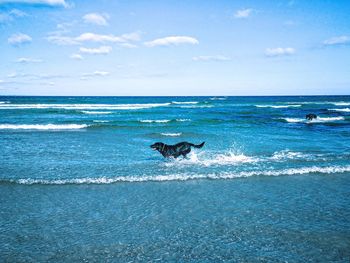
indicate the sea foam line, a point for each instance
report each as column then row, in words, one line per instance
column 341, row 110
column 155, row 121
column 96, row 112
column 184, row 177
column 278, row 106
column 317, row 120
column 84, row 106
column 184, row 102
column 42, row 126
column 171, row 134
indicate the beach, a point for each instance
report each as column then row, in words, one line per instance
column 79, row 181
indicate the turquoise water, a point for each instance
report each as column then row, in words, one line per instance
column 79, row 181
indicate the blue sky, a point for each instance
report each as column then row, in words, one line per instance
column 75, row 47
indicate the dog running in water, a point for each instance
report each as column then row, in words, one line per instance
column 182, row 148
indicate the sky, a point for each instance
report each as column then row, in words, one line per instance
column 174, row 48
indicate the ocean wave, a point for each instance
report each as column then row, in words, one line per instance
column 84, row 106
column 196, row 106
column 287, row 155
column 318, row 120
column 218, row 98
column 96, row 112
column 100, row 121
column 184, row 102
column 341, row 110
column 204, row 159
column 342, row 103
column 42, row 126
column 278, row 106
column 183, row 120
column 171, row 134
column 4, row 102
column 155, row 121
column 185, row 177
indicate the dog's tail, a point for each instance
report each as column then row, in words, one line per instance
column 198, row 145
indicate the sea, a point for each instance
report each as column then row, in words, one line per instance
column 80, row 183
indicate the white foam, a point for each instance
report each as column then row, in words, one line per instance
column 4, row 102
column 204, row 159
column 42, row 126
column 286, row 154
column 183, row 120
column 171, row 134
column 218, row 98
column 317, row 120
column 96, row 112
column 84, row 106
column 155, row 121
column 184, row 102
column 185, row 177
column 278, row 106
column 196, row 106
column 100, row 121
column 342, row 103
column 341, row 110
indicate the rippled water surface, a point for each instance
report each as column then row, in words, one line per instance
column 79, row 181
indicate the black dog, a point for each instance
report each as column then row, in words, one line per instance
column 311, row 116
column 182, row 148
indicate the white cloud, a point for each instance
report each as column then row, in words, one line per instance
column 11, row 15
column 108, row 38
column 172, row 41
column 59, row 39
column 211, row 58
column 243, row 13
column 62, row 40
column 96, row 51
column 337, row 40
column 279, row 51
column 96, row 73
column 128, row 45
column 97, row 19
column 98, row 38
column 76, row 56
column 28, row 60
column 41, row 2
column 19, row 38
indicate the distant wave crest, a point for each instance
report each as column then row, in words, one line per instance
column 85, row 106
column 171, row 134
column 278, row 106
column 155, row 121
column 42, row 126
column 341, row 110
column 318, row 120
column 96, row 112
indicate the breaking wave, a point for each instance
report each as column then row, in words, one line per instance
column 171, row 134
column 218, row 98
column 318, row 120
column 341, row 103
column 184, row 177
column 96, row 112
column 184, row 102
column 155, row 121
column 278, row 106
column 341, row 110
column 84, row 106
column 42, row 126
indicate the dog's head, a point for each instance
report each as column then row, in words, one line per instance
column 157, row 146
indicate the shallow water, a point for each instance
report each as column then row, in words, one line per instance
column 79, row 181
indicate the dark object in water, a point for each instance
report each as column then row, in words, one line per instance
column 182, row 148
column 311, row 116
